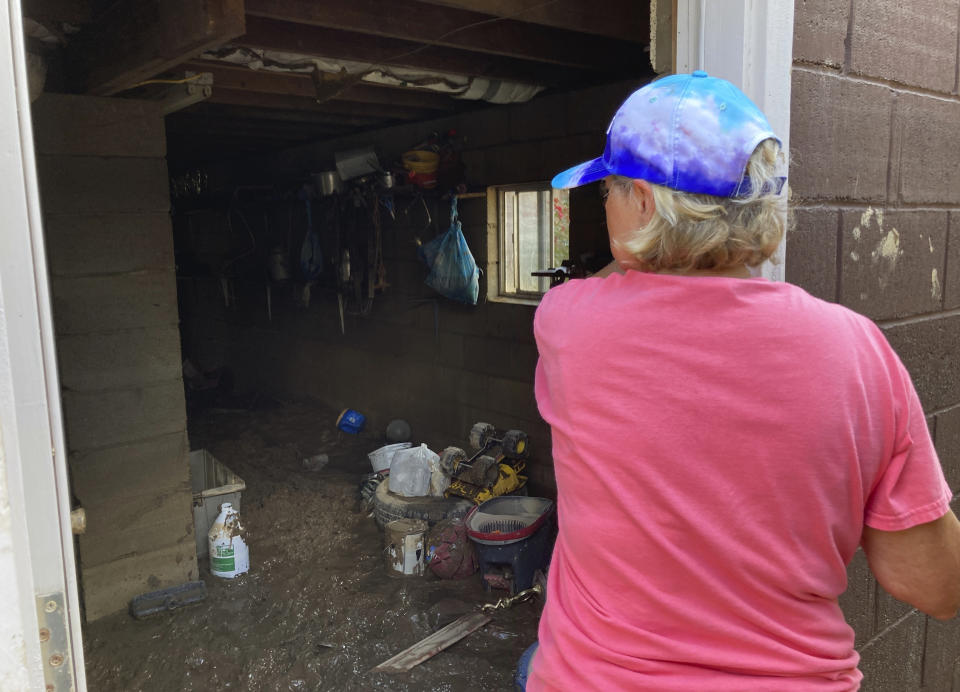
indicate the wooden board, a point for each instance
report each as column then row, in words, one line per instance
column 434, row 644
column 131, row 358
column 90, row 184
column 119, row 529
column 97, row 126
column 103, row 419
column 108, row 588
column 84, row 244
column 115, row 302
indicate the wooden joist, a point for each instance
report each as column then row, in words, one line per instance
column 624, row 19
column 455, row 28
column 323, row 42
column 135, row 40
column 301, row 84
column 354, row 113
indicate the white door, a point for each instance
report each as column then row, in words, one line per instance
column 40, row 623
column 749, row 43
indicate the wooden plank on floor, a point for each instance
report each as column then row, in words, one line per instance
column 109, row 303
column 91, row 184
column 434, row 644
column 84, row 244
column 97, row 126
column 131, row 358
column 103, row 419
column 108, row 588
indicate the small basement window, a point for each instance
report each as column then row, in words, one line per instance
column 532, row 235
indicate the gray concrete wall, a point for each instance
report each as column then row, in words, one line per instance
column 876, row 181
column 439, row 364
column 103, row 185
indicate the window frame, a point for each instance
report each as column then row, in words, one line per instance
column 497, row 289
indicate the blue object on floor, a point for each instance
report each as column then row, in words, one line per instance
column 523, row 668
column 351, row 421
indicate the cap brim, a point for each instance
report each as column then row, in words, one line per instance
column 587, row 172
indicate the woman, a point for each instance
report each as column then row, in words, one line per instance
column 722, row 443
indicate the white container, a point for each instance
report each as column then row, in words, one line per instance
column 212, row 484
column 381, row 458
column 405, row 549
column 229, row 555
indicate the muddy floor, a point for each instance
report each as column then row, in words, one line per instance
column 318, row 608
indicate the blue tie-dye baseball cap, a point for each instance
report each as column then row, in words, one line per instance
column 689, row 132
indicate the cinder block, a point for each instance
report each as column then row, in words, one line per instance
column 540, row 118
column 951, row 289
column 840, row 138
column 107, row 243
column 127, row 473
column 893, row 262
column 948, row 445
column 85, row 305
column 912, row 43
column 819, row 31
column 108, row 588
column 888, row 609
column 940, row 653
column 858, row 602
column 91, row 184
column 811, row 260
column 591, row 110
column 484, row 128
column 928, row 349
column 97, row 126
column 512, row 398
column 894, row 660
column 117, row 529
column 91, row 362
column 511, row 321
column 105, row 419
column 925, row 137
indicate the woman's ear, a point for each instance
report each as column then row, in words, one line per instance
column 643, row 193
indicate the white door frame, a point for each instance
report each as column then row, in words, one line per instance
column 749, row 43
column 35, row 533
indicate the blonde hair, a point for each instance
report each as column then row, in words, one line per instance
column 695, row 231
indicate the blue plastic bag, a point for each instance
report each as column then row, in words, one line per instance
column 453, row 271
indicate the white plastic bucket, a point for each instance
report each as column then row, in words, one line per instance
column 380, row 458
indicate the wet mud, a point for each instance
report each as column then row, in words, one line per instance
column 318, row 608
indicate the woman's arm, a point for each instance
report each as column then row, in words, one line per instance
column 919, row 565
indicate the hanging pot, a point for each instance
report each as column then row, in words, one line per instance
column 328, row 183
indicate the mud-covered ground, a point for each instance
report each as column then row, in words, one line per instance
column 318, row 608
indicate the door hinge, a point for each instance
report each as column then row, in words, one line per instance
column 55, row 643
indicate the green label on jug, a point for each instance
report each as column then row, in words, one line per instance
column 222, row 559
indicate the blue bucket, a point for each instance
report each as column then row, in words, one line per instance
column 351, row 421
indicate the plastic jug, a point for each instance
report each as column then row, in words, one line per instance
column 229, row 555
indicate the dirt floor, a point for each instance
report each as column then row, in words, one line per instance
column 318, row 608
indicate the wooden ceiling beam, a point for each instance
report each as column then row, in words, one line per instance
column 361, row 114
column 137, row 39
column 628, row 20
column 301, row 84
column 425, row 23
column 71, row 11
column 322, row 42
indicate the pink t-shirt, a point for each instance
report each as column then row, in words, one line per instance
column 718, row 444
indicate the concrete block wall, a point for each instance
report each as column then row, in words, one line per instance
column 103, row 185
column 874, row 117
column 439, row 364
